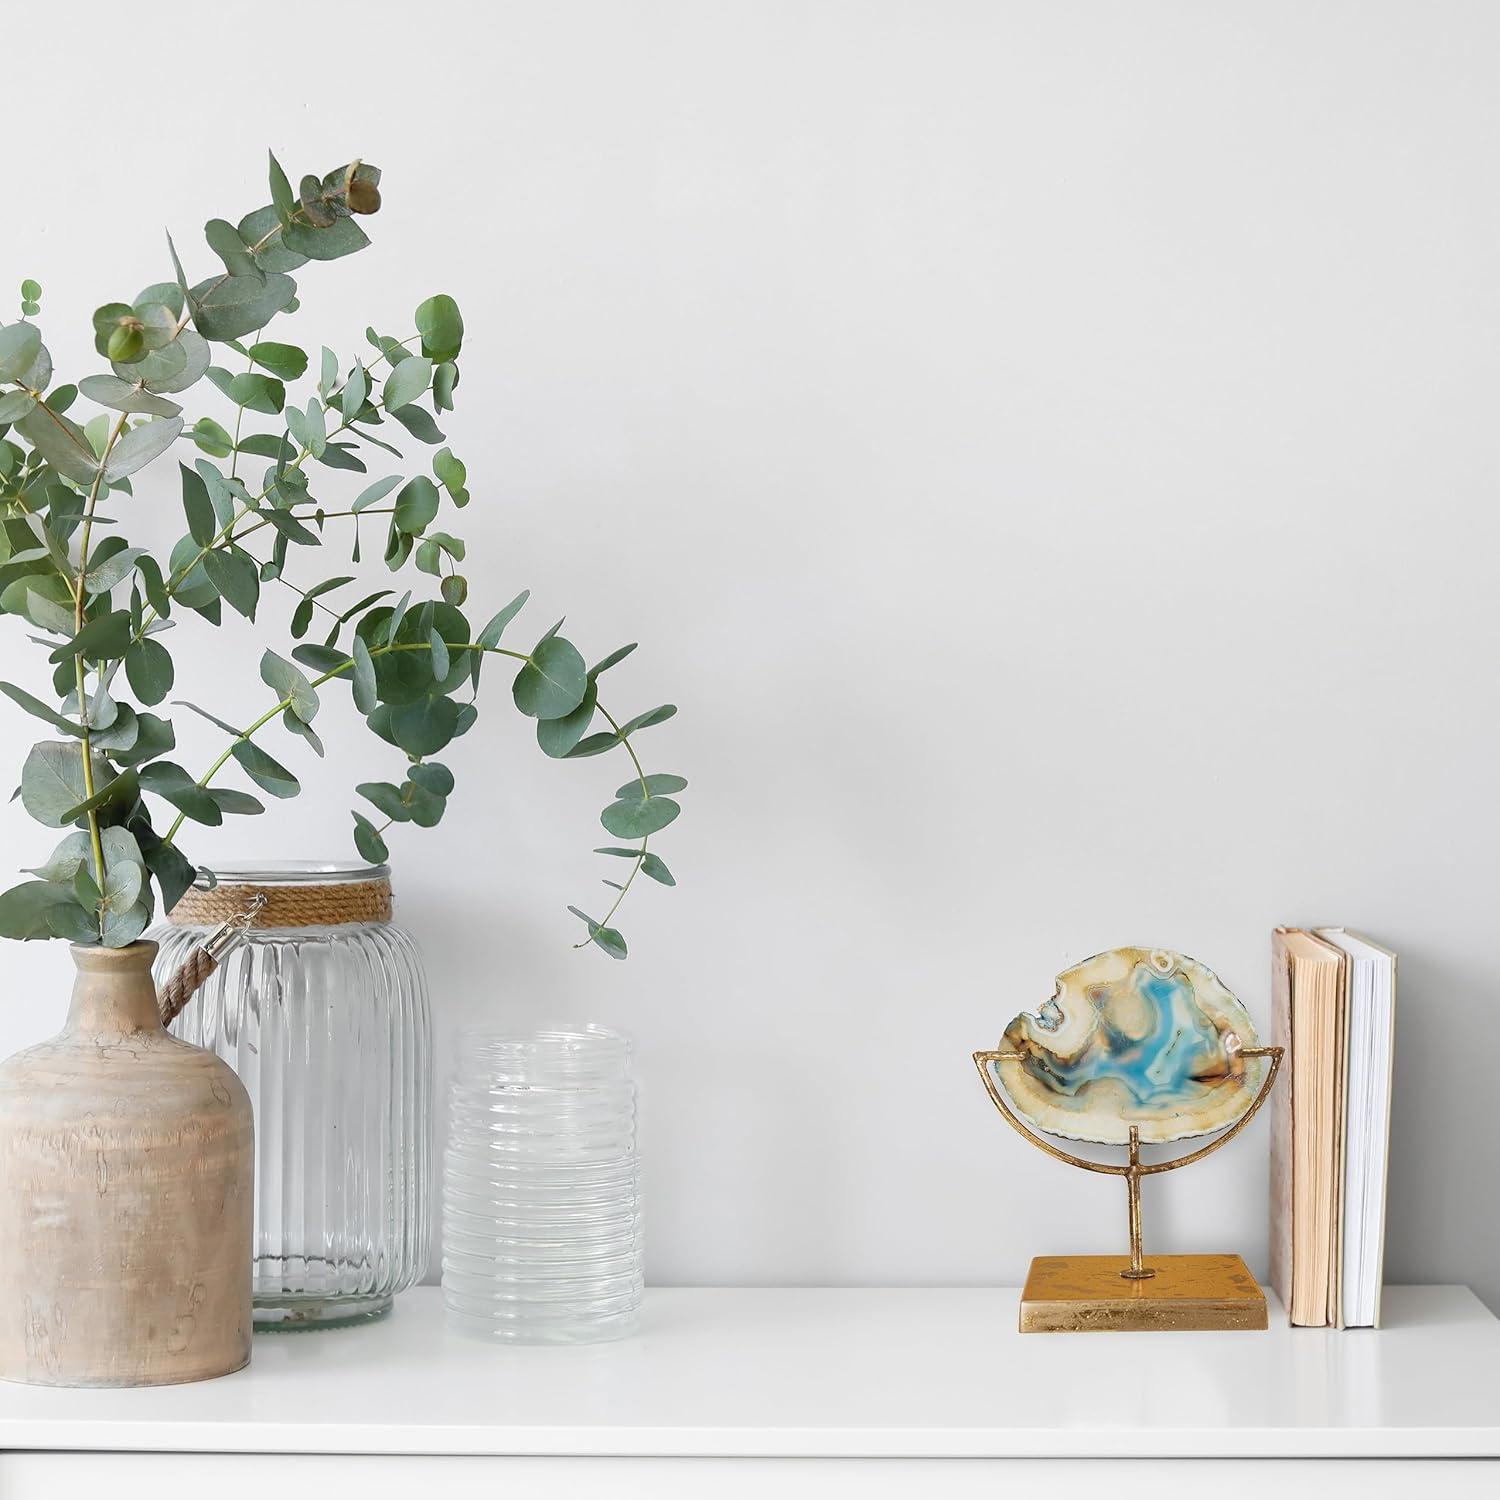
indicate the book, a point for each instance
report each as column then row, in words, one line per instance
column 1310, row 1000
column 1370, row 1052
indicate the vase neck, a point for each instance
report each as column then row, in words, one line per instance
column 114, row 992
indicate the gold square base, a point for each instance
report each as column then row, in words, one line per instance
column 1083, row 1293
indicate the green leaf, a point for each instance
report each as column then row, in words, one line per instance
column 342, row 237
column 286, row 681
column 148, row 666
column 211, row 438
column 646, row 720
column 19, row 345
column 173, row 367
column 268, row 774
column 154, row 736
column 416, row 505
column 606, row 938
column 653, row 867
column 125, row 395
column 441, row 326
column 284, row 360
column 612, row 660
column 432, row 777
column 377, row 491
column 236, row 577
column 229, row 307
column 204, row 713
column 440, row 663
column 356, row 391
column 105, row 571
column 553, row 681
column 257, row 392
column 421, row 426
column 202, row 524
column 114, row 797
column 101, row 639
column 558, row 736
column 309, row 427
column 170, row 781
column 387, row 798
column 451, row 473
column 489, row 637
column 444, row 382
column 225, row 242
column 174, row 874
column 594, row 744
column 321, row 658
column 658, row 785
column 240, row 804
column 420, row 728
column 14, row 405
column 640, row 817
column 165, row 294
column 29, row 910
column 61, row 442
column 406, row 382
column 368, row 841
column 40, row 709
column 364, row 677
column 283, row 200
column 138, row 447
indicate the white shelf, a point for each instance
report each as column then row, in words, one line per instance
column 823, row 1374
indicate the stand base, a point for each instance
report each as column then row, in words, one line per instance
column 1083, row 1293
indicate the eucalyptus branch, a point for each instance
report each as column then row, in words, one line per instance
column 55, row 482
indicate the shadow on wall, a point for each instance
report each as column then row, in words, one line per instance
column 1442, row 1179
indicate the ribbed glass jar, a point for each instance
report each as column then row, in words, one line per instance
column 542, row 1232
column 322, row 1011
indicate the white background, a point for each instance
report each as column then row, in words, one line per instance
column 1047, row 451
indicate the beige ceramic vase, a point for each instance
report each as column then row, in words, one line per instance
column 126, row 1192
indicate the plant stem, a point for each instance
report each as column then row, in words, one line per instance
column 640, row 858
column 86, row 749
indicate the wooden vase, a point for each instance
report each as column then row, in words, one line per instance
column 126, row 1195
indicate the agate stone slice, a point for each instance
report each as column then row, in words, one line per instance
column 1135, row 1036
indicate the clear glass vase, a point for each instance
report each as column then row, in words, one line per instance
column 542, row 1228
column 322, row 1012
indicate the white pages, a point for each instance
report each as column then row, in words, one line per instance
column 1369, row 1051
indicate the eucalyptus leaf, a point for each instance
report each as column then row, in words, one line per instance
column 35, row 706
column 557, row 737
column 126, row 396
column 61, row 442
column 636, row 818
column 268, row 774
column 406, row 382
column 368, row 841
column 19, row 346
column 138, row 447
column 228, row 307
column 149, row 669
column 441, row 326
column 553, row 681
column 236, row 577
column 657, row 785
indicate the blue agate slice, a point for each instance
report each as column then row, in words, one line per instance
column 1135, row 1036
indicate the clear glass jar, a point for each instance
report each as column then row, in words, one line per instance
column 542, row 1226
column 322, row 1012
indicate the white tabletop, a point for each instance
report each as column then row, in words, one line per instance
column 824, row 1373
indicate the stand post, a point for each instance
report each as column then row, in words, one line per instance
column 1137, row 1270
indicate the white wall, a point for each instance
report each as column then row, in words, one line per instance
column 1047, row 450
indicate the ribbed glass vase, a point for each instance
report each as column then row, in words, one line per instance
column 322, row 1012
column 542, row 1239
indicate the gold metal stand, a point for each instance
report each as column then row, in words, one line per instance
column 1113, row 1292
